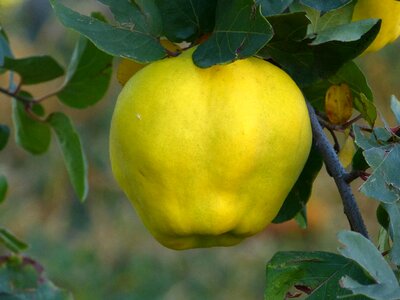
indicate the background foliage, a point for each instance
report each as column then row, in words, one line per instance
column 100, row 249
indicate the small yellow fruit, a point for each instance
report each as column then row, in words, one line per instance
column 339, row 103
column 386, row 10
column 207, row 156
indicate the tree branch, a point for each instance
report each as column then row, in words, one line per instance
column 18, row 97
column 336, row 170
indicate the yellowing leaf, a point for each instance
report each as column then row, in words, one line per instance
column 347, row 152
column 127, row 68
column 339, row 103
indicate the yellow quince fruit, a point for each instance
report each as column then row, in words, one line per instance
column 386, row 10
column 208, row 156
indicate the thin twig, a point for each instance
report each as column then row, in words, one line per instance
column 336, row 144
column 336, row 170
column 353, row 175
column 341, row 127
column 18, row 97
column 44, row 97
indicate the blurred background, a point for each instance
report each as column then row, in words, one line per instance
column 100, row 249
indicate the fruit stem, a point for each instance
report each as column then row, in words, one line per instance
column 336, row 170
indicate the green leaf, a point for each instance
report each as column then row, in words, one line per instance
column 354, row 77
column 345, row 33
column 382, row 216
column 123, row 41
column 4, row 135
column 187, row 20
column 359, row 162
column 373, row 291
column 144, row 15
column 24, row 279
column 11, row 242
column 395, row 106
column 318, row 272
column 325, row 5
column 30, row 134
column 393, row 210
column 273, row 7
column 298, row 197
column 335, row 17
column 312, row 14
column 291, row 26
column 384, row 183
column 16, row 276
column 301, row 218
column 367, row 142
column 3, row 188
column 383, row 240
column 351, row 74
column 88, row 76
column 366, row 108
column 240, row 32
column 72, row 150
column 35, row 69
column 362, row 251
column 308, row 62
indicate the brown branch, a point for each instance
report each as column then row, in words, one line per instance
column 336, row 170
column 16, row 96
column 353, row 175
column 27, row 99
